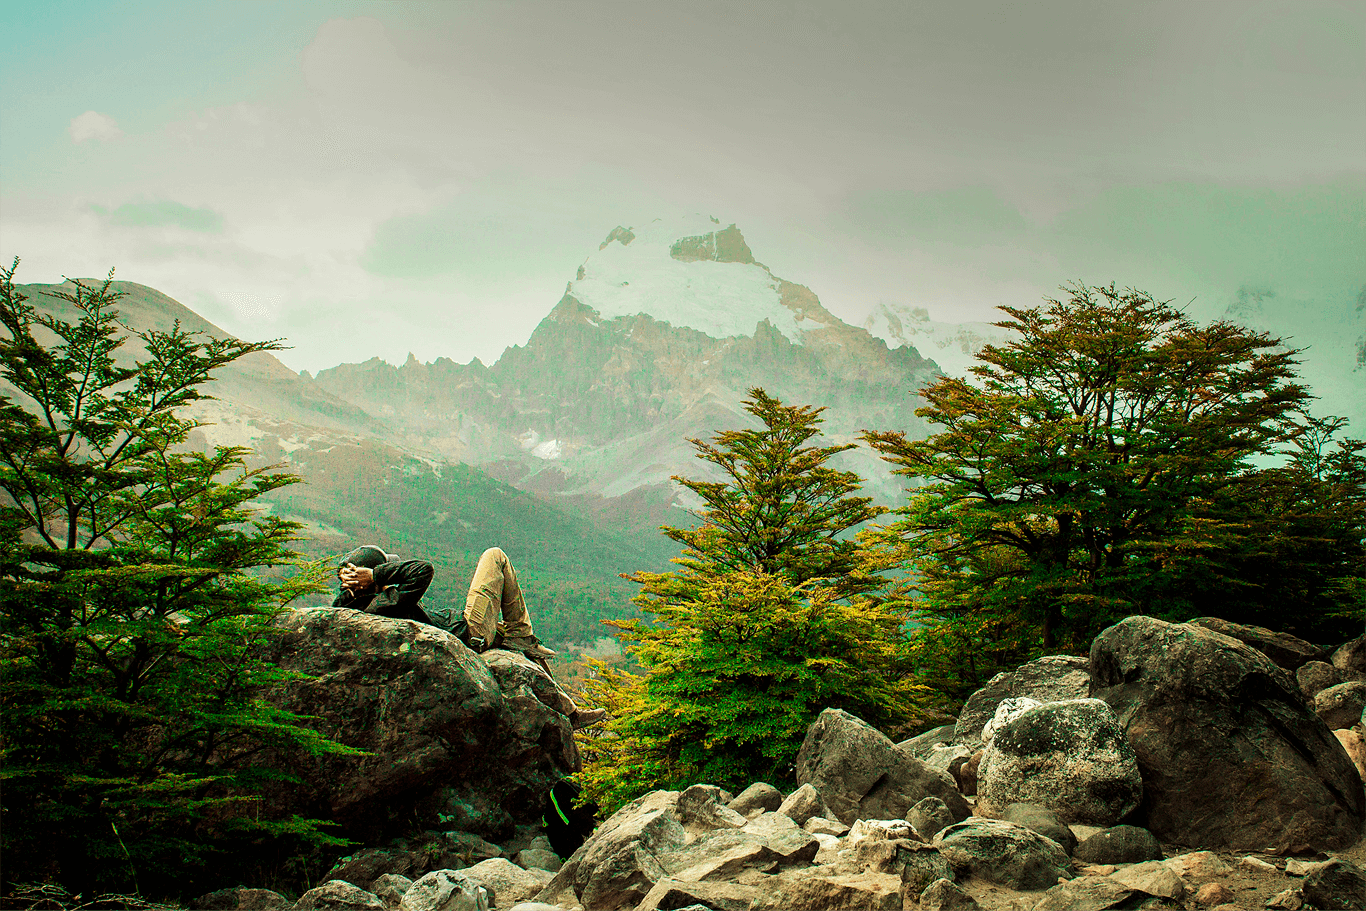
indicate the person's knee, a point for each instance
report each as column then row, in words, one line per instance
column 495, row 554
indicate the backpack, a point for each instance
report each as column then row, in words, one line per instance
column 566, row 825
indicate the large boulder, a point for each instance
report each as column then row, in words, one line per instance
column 437, row 727
column 862, row 775
column 1003, row 853
column 1118, row 845
column 1048, row 679
column 1340, row 706
column 621, row 862
column 1071, row 757
column 1287, row 651
column 1231, row 757
column 1316, row 676
column 1350, row 659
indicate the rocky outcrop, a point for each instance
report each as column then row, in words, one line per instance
column 1340, row 706
column 862, row 775
column 1218, row 729
column 1047, row 679
column 1071, row 757
column 1285, row 650
column 1003, row 853
column 442, row 733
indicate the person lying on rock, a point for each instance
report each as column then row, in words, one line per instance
column 495, row 613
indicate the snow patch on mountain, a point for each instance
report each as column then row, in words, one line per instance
column 669, row 270
column 953, row 346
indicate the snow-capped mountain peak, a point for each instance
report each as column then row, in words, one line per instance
column 953, row 346
column 693, row 272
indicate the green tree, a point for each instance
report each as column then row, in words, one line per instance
column 769, row 619
column 1064, row 488
column 132, row 591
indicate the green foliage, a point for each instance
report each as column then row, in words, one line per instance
column 1099, row 466
column 131, row 595
column 768, row 620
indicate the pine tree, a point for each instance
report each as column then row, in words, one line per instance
column 132, row 592
column 769, row 619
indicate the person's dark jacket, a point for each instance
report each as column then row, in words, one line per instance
column 397, row 589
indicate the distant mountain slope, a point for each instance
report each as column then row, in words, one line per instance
column 361, row 484
column 952, row 346
column 655, row 341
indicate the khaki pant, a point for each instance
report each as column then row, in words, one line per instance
column 494, row 605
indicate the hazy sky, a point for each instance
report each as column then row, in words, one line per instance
column 378, row 178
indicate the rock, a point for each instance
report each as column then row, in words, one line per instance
column 538, row 859
column 390, row 888
column 366, row 866
column 1198, row 866
column 804, row 803
column 1350, row 659
column 507, row 883
column 434, row 721
column 1002, row 853
column 703, row 807
column 1316, row 676
column 335, row 895
column 1354, row 745
column 965, row 774
column 1008, row 710
column 515, row 671
column 862, row 775
column 1283, row 649
column 1218, row 728
column 1252, row 864
column 1118, row 845
column 780, row 835
column 1086, row 893
column 920, row 745
column 1041, row 820
column 879, row 828
column 542, row 906
column 1337, row 884
column 1211, row 894
column 920, row 866
column 768, row 842
column 946, row 895
column 1340, row 706
column 716, row 896
column 1048, row 679
column 242, row 899
column 445, row 890
column 757, row 798
column 621, row 862
column 819, row 825
column 1296, row 867
column 1072, row 757
column 817, row 889
column 1289, row 900
column 942, row 758
column 929, row 817
column 1152, row 877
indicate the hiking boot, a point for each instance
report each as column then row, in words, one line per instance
column 586, row 718
column 529, row 646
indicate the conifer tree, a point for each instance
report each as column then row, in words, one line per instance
column 131, row 595
column 1073, row 477
column 769, row 619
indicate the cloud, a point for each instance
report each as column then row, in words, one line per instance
column 164, row 213
column 93, row 125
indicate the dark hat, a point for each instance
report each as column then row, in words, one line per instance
column 368, row 555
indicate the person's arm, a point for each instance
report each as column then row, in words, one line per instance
column 411, row 577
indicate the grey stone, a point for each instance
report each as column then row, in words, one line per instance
column 1213, row 721
column 1337, row 884
column 946, row 895
column 804, row 803
column 1008, row 710
column 819, row 889
column 390, row 888
column 1041, row 820
column 621, row 862
column 506, row 882
column 1072, row 757
column 929, row 817
column 1003, row 853
column 671, row 893
column 757, row 798
column 920, row 745
column 1047, row 679
column 242, row 899
column 1350, row 659
column 920, row 866
column 335, row 895
column 1316, row 676
column 1086, row 893
column 862, row 775
column 539, row 859
column 819, row 825
column 1285, row 650
column 942, row 758
column 1118, row 845
column 445, row 890
column 703, row 806
column 1152, row 877
column 1340, row 706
